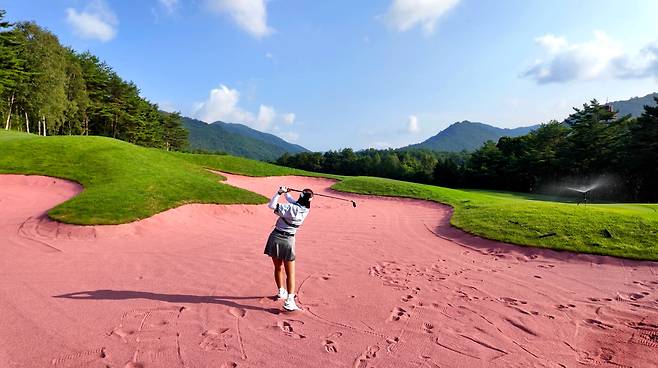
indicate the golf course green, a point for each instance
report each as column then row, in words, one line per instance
column 124, row 182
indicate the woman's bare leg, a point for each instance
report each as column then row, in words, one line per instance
column 278, row 272
column 290, row 273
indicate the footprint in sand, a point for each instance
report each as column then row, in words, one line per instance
column 637, row 296
column 229, row 365
column 563, row 307
column 512, row 301
column 407, row 298
column 329, row 344
column 601, row 357
column 287, row 327
column 154, row 335
column 80, row 359
column 428, row 362
column 397, row 314
column 215, row 340
column 646, row 338
column 392, row 343
column 597, row 323
column 428, row 328
column 368, row 355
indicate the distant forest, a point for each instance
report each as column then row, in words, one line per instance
column 592, row 145
column 49, row 89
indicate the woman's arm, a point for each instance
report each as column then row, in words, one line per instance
column 274, row 201
column 290, row 198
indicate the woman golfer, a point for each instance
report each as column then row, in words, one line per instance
column 281, row 243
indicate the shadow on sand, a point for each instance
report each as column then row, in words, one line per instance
column 228, row 301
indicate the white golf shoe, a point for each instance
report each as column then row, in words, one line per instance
column 283, row 293
column 290, row 304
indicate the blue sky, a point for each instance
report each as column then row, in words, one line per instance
column 367, row 73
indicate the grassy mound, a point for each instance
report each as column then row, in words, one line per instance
column 122, row 182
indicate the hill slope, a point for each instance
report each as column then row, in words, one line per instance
column 122, row 182
column 468, row 136
column 237, row 139
column 635, row 105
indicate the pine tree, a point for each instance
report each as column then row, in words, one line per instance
column 43, row 93
column 643, row 149
column 12, row 67
column 174, row 135
column 76, row 96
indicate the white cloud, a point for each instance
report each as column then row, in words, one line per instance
column 412, row 124
column 169, row 6
column 551, row 43
column 644, row 65
column 96, row 21
column 289, row 118
column 406, row 14
column 250, row 15
column 223, row 104
column 599, row 58
column 266, row 115
column 289, row 136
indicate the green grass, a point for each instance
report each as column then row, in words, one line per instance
column 124, row 183
column 514, row 219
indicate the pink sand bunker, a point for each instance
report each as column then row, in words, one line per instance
column 388, row 284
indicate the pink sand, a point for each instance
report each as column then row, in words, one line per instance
column 388, row 284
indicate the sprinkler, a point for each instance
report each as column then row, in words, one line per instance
column 584, row 193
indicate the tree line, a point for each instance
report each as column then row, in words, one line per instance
column 592, row 145
column 49, row 89
column 415, row 165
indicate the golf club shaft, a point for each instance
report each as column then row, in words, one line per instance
column 323, row 195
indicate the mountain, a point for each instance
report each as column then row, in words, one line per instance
column 237, row 139
column 634, row 106
column 467, row 135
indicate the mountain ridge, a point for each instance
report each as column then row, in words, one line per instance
column 467, row 135
column 635, row 105
column 237, row 139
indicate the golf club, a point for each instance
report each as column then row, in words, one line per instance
column 324, row 195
